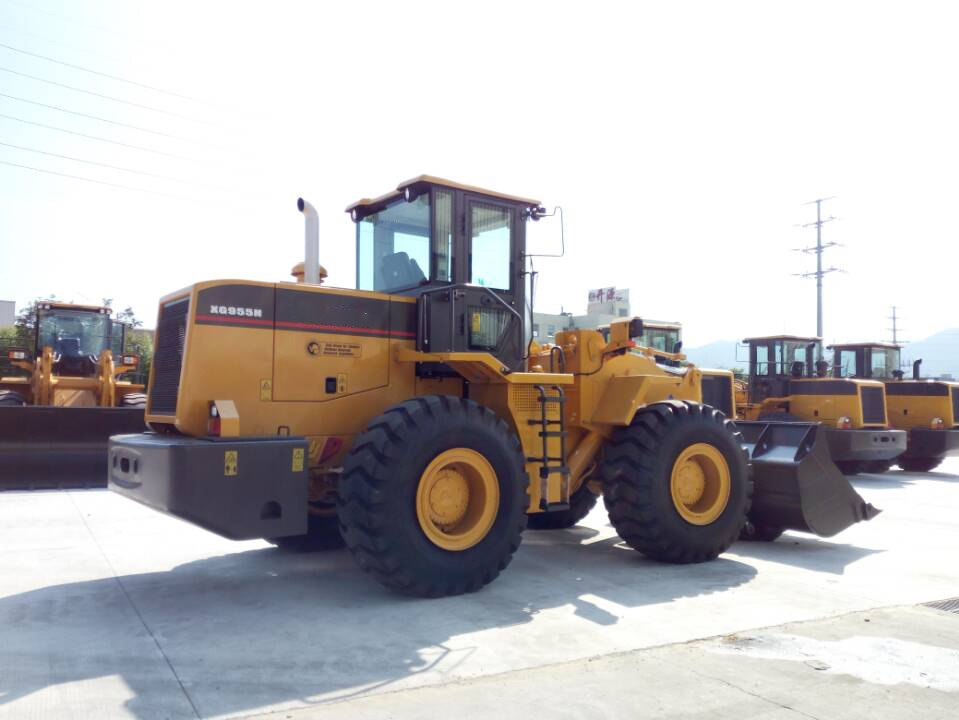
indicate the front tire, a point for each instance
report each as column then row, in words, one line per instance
column 138, row 400
column 676, row 482
column 433, row 497
column 918, row 464
column 850, row 467
column 877, row 467
column 9, row 398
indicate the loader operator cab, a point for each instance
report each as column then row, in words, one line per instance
column 77, row 335
column 875, row 361
column 657, row 335
column 774, row 360
column 461, row 251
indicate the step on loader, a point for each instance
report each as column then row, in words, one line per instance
column 415, row 420
column 927, row 410
column 63, row 399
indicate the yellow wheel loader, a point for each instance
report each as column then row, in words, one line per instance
column 58, row 413
column 928, row 410
column 787, row 385
column 415, row 419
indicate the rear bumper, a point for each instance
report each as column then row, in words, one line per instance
column 852, row 445
column 240, row 488
column 929, row 443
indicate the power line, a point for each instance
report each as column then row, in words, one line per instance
column 96, row 117
column 97, row 72
column 111, row 167
column 90, row 180
column 99, row 139
column 105, row 97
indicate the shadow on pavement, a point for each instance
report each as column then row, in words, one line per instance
column 269, row 629
column 805, row 551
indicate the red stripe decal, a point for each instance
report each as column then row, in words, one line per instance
column 227, row 319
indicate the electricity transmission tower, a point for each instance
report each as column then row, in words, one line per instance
column 818, row 249
column 895, row 329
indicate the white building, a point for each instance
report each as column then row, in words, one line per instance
column 604, row 306
column 8, row 313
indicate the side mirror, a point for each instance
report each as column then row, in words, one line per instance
column 677, row 347
column 635, row 327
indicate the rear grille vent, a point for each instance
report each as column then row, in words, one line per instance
column 873, row 406
column 718, row 392
column 955, row 406
column 168, row 356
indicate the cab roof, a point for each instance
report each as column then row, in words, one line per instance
column 370, row 205
column 662, row 325
column 790, row 338
column 57, row 305
column 856, row 346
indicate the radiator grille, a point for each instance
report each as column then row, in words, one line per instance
column 168, row 356
column 718, row 392
column 955, row 406
column 873, row 406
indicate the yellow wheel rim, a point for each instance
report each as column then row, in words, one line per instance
column 699, row 484
column 457, row 499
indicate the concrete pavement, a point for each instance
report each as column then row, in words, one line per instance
column 108, row 609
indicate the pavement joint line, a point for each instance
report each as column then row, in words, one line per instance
column 133, row 605
column 756, row 695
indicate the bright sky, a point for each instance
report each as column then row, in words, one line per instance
column 680, row 138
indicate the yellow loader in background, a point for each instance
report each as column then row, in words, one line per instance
column 928, row 410
column 58, row 412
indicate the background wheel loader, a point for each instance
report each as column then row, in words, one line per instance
column 58, row 413
column 786, row 385
column 415, row 418
column 928, row 410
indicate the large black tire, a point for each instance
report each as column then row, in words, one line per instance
column 636, row 473
column 850, row 467
column 9, row 398
column 918, row 464
column 134, row 400
column 580, row 503
column 877, row 467
column 761, row 533
column 322, row 533
column 378, row 496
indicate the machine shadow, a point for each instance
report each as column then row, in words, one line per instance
column 805, row 551
column 269, row 629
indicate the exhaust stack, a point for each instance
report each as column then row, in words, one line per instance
column 311, row 260
column 915, row 369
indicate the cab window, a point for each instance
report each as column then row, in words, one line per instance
column 846, row 363
column 394, row 249
column 490, row 245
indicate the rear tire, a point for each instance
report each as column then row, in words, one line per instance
column 761, row 533
column 639, row 474
column 917, row 464
column 433, row 497
column 134, row 400
column 850, row 467
column 322, row 533
column 580, row 504
column 9, row 398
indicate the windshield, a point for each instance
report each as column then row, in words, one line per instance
column 884, row 362
column 794, row 352
column 394, row 246
column 74, row 333
column 663, row 339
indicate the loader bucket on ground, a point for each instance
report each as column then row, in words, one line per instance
column 796, row 484
column 43, row 447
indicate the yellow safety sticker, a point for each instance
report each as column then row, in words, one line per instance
column 266, row 389
column 297, row 459
column 230, row 462
column 477, row 321
column 341, row 383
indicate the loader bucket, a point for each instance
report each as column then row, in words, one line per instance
column 796, row 485
column 43, row 447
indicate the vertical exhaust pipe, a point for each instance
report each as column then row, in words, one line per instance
column 915, row 369
column 311, row 260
